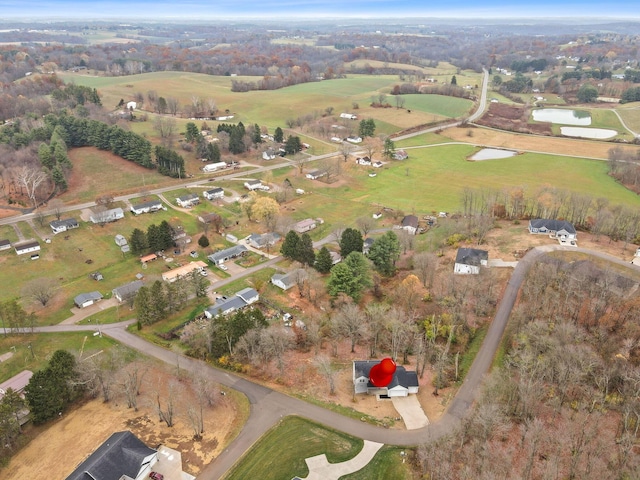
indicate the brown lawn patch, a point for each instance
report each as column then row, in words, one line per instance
column 86, row 427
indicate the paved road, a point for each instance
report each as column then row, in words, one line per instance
column 269, row 406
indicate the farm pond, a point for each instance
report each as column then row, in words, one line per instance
column 562, row 116
column 491, row 154
column 581, row 132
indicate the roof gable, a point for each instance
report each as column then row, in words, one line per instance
column 121, row 454
column 471, row 256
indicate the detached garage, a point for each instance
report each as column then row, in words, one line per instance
column 87, row 299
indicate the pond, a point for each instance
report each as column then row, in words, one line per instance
column 562, row 116
column 597, row 133
column 492, row 154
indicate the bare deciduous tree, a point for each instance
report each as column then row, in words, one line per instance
column 30, row 178
column 425, row 265
column 41, row 290
column 328, row 371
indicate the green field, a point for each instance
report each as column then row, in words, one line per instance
column 280, row 454
column 270, row 108
column 631, row 115
column 32, row 351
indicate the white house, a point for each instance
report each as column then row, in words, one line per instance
column 255, row 185
column 287, row 280
column 349, row 116
column 315, row 174
column 268, row 154
column 410, row 224
column 305, row 225
column 403, row 383
column 559, row 229
column 29, row 246
column 59, row 226
column 260, row 241
column 218, row 258
column 240, row 300
column 469, row 261
column 353, row 139
column 366, row 161
column 5, row 244
column 106, row 216
column 188, row 200
column 127, row 291
column 132, row 105
column 214, row 193
column 87, row 299
column 400, row 155
column 147, row 207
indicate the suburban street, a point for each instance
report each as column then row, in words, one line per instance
column 269, row 406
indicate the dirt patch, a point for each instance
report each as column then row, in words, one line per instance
column 512, row 118
column 87, row 426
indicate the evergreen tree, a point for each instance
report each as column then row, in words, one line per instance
column 236, row 141
column 341, row 281
column 293, row 145
column 289, row 248
column 213, row 152
column 203, row 241
column 159, row 304
column 45, row 156
column 350, row 241
column 389, row 148
column 142, row 304
column 454, row 80
column 57, row 175
column 138, row 242
column 278, row 135
column 256, row 134
column 154, row 238
column 51, row 390
column 191, row 133
column 305, row 253
column 367, row 128
column 165, row 235
column 323, row 260
column 384, row 253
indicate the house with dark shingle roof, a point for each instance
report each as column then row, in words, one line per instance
column 560, row 229
column 410, row 224
column 222, row 256
column 59, row 226
column 403, row 383
column 121, row 454
column 469, row 261
column 5, row 244
column 147, row 207
column 127, row 291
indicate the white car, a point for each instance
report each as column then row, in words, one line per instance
column 223, row 267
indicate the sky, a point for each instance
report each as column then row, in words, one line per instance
column 315, row 9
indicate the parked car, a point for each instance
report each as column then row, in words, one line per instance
column 156, row 476
column 223, row 267
column 193, row 254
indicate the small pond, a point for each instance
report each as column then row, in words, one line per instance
column 597, row 133
column 562, row 116
column 492, row 154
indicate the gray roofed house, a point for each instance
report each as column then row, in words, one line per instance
column 560, row 229
column 147, row 207
column 213, row 193
column 257, row 240
column 188, row 200
column 287, row 280
column 228, row 253
column 121, row 454
column 366, row 245
column 403, row 383
column 5, row 244
column 469, row 260
column 249, row 295
column 59, row 226
column 86, row 299
column 125, row 292
column 224, row 306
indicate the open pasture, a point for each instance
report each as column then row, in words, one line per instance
column 433, row 178
column 271, row 108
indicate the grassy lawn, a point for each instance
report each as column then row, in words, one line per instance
column 387, row 464
column 280, row 454
column 631, row 115
column 32, row 351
